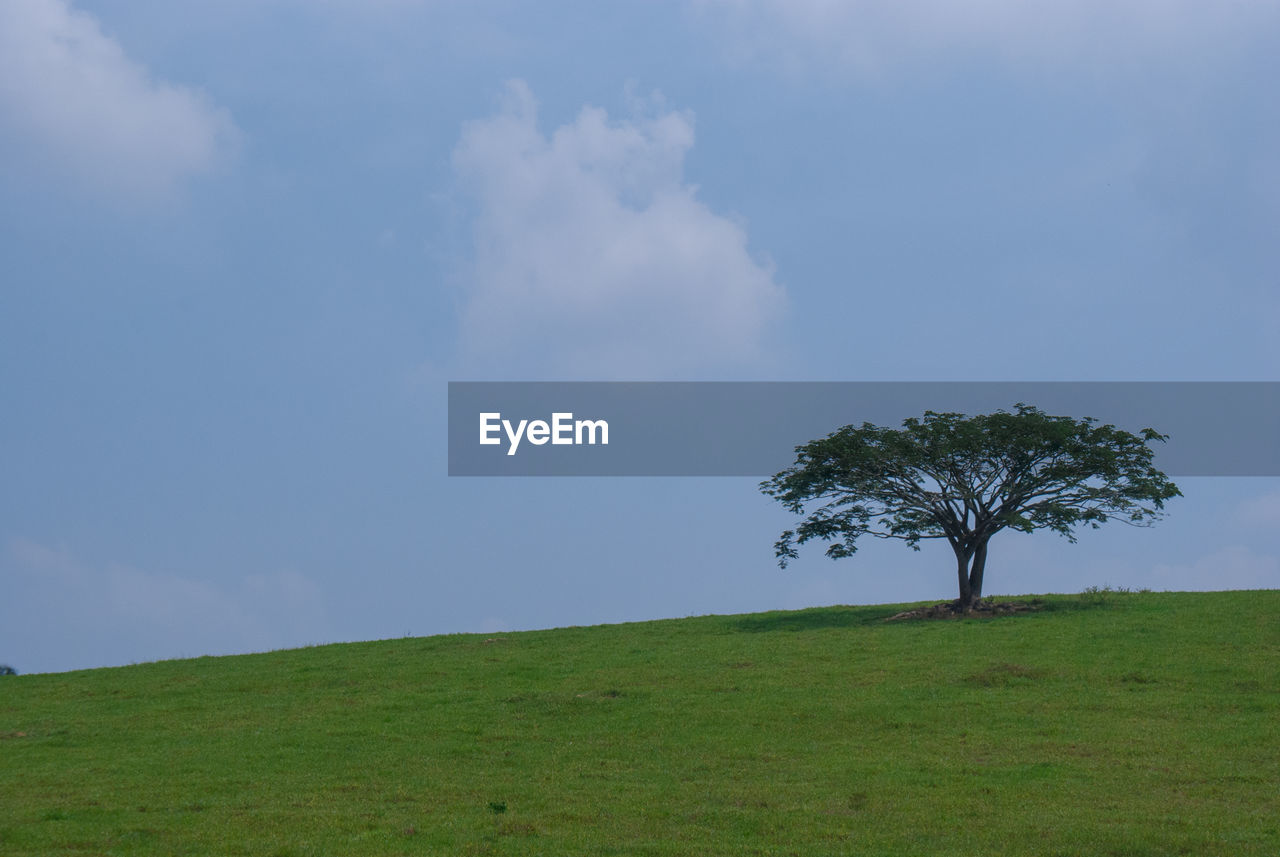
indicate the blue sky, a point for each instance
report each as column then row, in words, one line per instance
column 246, row 245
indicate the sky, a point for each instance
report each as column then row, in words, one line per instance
column 244, row 246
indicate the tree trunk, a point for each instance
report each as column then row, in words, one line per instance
column 970, row 576
column 975, row 572
column 962, row 572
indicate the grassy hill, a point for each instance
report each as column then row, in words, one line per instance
column 1109, row 723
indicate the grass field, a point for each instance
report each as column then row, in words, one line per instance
column 1104, row 723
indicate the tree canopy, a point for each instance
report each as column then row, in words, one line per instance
column 965, row 478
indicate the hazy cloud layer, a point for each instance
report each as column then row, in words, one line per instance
column 1231, row 567
column 871, row 36
column 80, row 106
column 594, row 258
column 1262, row 512
column 61, row 611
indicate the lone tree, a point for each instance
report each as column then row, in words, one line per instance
column 964, row 479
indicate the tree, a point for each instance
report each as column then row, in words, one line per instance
column 964, row 479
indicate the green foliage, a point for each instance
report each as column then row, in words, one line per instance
column 963, row 479
column 1145, row 725
column 1103, row 594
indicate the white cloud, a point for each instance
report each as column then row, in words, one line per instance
column 871, row 36
column 595, row 259
column 82, row 107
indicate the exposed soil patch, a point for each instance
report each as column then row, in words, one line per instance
column 952, row 610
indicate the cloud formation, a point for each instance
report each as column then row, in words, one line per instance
column 81, row 106
column 594, row 258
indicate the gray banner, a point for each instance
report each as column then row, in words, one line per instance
column 752, row 428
